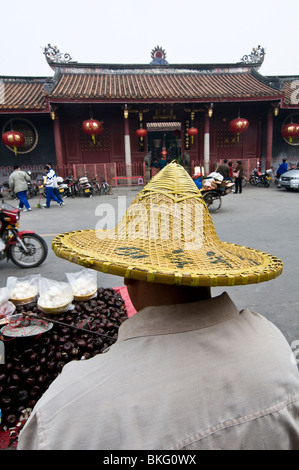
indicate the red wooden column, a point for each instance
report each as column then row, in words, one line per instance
column 58, row 142
column 269, row 140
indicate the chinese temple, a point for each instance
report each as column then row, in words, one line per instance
column 130, row 113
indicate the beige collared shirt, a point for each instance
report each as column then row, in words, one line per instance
column 195, row 376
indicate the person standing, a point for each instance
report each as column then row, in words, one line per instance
column 55, row 187
column 283, row 168
column 49, row 183
column 162, row 163
column 223, row 169
column 238, row 177
column 18, row 182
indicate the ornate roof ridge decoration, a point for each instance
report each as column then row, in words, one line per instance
column 53, row 54
column 158, row 56
column 92, row 69
column 256, row 57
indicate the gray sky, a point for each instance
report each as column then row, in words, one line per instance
column 126, row 31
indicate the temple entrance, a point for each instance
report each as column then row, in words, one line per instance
column 164, row 136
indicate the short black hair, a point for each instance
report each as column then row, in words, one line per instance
column 16, row 166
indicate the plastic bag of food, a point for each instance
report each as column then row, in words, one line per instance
column 23, row 290
column 83, row 283
column 7, row 308
column 54, row 296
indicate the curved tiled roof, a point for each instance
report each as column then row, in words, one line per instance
column 104, row 83
column 22, row 93
column 155, row 85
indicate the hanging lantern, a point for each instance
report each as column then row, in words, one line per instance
column 92, row 127
column 164, row 153
column 13, row 139
column 238, row 126
column 192, row 131
column 141, row 133
column 176, row 133
column 289, row 131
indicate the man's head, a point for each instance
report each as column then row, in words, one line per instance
column 47, row 168
column 144, row 294
column 16, row 167
column 225, row 161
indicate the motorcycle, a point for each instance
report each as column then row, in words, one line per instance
column 64, row 187
column 70, row 181
column 25, row 249
column 257, row 178
column 213, row 190
column 84, row 187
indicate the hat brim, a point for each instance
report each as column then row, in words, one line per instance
column 218, row 264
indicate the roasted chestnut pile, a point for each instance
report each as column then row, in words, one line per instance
column 31, row 364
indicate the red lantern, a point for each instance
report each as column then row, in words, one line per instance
column 141, row 133
column 92, row 127
column 13, row 139
column 176, row 133
column 289, row 131
column 164, row 153
column 238, row 125
column 192, row 131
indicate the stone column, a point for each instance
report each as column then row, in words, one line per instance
column 128, row 159
column 206, row 141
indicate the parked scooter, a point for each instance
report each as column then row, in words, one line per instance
column 26, row 249
column 257, row 178
column 70, row 181
column 84, row 187
column 64, row 188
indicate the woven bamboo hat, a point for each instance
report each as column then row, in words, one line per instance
column 167, row 236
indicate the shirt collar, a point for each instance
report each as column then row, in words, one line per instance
column 168, row 319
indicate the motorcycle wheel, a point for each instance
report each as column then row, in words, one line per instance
column 37, row 251
column 213, row 201
column 253, row 180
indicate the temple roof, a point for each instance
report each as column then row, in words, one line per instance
column 150, row 84
column 22, row 94
column 143, row 83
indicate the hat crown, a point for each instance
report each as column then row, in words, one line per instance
column 173, row 181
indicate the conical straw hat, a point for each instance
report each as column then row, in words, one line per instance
column 167, row 236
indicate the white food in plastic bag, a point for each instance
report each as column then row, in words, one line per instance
column 23, row 290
